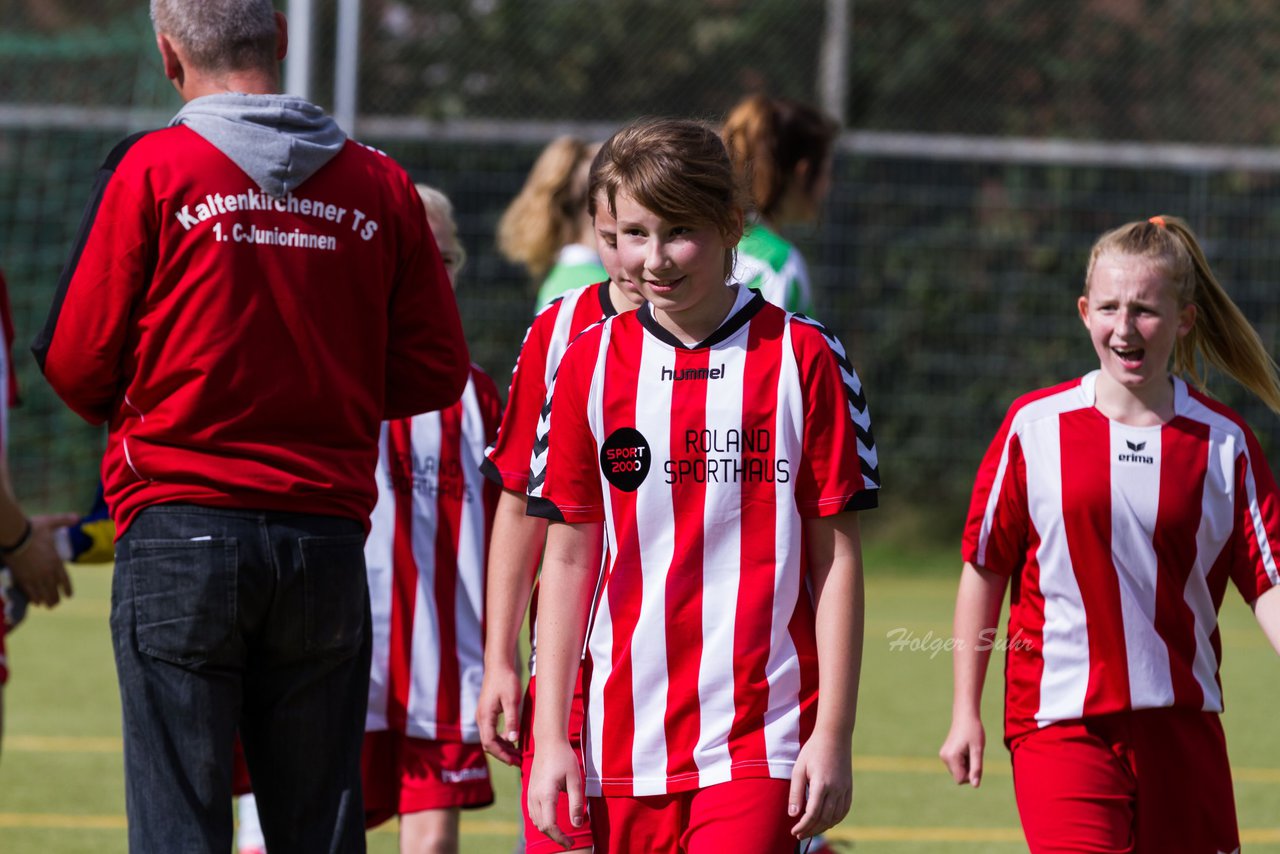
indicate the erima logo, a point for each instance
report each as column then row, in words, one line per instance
column 463, row 775
column 692, row 374
column 1134, row 456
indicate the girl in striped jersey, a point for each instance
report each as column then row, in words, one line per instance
column 426, row 559
column 716, row 447
column 513, row 568
column 1121, row 504
column 782, row 152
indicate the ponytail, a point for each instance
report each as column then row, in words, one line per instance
column 1221, row 335
column 767, row 138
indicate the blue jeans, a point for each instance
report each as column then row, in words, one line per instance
column 224, row 619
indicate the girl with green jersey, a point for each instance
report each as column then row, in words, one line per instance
column 782, row 152
column 546, row 228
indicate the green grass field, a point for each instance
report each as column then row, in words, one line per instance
column 61, row 788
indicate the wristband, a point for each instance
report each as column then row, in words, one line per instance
column 21, row 545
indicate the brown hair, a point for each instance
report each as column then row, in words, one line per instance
column 545, row 216
column 678, row 169
column 1222, row 336
column 768, row 138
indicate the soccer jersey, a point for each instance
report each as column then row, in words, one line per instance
column 768, row 263
column 426, row 556
column 507, row 460
column 577, row 265
column 1120, row 541
column 702, row 463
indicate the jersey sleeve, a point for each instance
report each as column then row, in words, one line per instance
column 1254, row 571
column 564, row 474
column 996, row 529
column 81, row 347
column 839, row 466
column 507, row 458
column 491, row 415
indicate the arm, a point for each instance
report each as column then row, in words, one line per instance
column 35, row 564
column 977, row 618
column 825, row 764
column 1267, row 610
column 427, row 359
column 516, row 545
column 569, row 570
column 81, row 345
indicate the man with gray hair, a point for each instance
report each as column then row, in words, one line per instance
column 251, row 294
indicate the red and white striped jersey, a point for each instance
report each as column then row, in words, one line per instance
column 1120, row 541
column 702, row 463
column 426, row 556
column 507, row 460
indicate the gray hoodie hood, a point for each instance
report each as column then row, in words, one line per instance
column 278, row 140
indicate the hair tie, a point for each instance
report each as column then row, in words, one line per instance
column 1158, row 221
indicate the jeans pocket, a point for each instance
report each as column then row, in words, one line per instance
column 184, row 598
column 335, row 591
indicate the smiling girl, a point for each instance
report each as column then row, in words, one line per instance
column 1121, row 504
column 720, row 447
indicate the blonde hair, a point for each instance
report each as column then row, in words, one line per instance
column 547, row 213
column 1221, row 335
column 439, row 207
column 768, row 138
column 676, row 168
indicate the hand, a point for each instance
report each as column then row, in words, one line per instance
column 962, row 751
column 500, row 698
column 821, row 785
column 37, row 569
column 555, row 770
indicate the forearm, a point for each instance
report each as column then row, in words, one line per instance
column 515, row 549
column 976, row 621
column 836, row 569
column 13, row 521
column 1267, row 610
column 569, row 569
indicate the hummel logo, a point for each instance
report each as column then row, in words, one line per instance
column 669, row 375
column 1135, row 446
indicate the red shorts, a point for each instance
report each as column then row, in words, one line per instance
column 402, row 774
column 535, row 842
column 744, row 816
column 1154, row 780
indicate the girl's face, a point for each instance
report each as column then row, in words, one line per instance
column 676, row 265
column 446, row 234
column 1134, row 318
column 606, row 227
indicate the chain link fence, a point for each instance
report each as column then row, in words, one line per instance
column 986, row 146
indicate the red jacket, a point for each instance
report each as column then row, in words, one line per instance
column 244, row 349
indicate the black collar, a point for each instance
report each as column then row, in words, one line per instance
column 732, row 324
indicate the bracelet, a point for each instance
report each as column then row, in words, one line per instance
column 21, row 545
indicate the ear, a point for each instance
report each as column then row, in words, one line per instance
column 169, row 57
column 1186, row 319
column 1082, row 305
column 802, row 171
column 282, row 36
column 737, row 224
